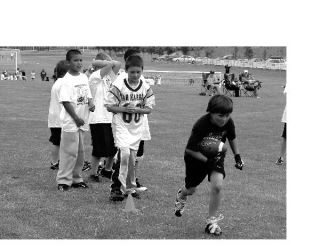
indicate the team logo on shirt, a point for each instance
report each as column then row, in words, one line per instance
column 82, row 94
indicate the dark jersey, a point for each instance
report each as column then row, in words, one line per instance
column 204, row 128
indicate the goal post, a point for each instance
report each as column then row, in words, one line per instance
column 10, row 59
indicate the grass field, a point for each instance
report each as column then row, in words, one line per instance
column 254, row 200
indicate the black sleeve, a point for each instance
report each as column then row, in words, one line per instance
column 231, row 131
column 195, row 137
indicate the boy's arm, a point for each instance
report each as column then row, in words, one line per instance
column 67, row 105
column 107, row 66
column 234, row 147
column 91, row 105
column 197, row 155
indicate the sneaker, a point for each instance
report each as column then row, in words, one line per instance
column 79, row 185
column 63, row 187
column 116, row 195
column 54, row 166
column 99, row 169
column 86, row 166
column 106, row 173
column 140, row 187
column 212, row 226
column 133, row 193
column 280, row 161
column 179, row 205
column 94, row 178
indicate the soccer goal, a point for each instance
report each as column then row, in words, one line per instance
column 9, row 60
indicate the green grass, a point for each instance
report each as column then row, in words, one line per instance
column 254, row 200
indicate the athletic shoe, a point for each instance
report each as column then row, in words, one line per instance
column 79, row 185
column 116, row 195
column 86, row 166
column 133, row 193
column 94, row 178
column 179, row 205
column 99, row 169
column 280, row 161
column 54, row 166
column 140, row 187
column 212, row 226
column 106, row 173
column 63, row 187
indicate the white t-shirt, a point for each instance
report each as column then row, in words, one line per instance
column 99, row 88
column 75, row 89
column 284, row 115
column 128, row 128
column 55, row 106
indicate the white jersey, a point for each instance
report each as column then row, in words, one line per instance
column 75, row 89
column 55, row 106
column 128, row 128
column 99, row 88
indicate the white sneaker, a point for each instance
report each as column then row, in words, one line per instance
column 179, row 205
column 212, row 226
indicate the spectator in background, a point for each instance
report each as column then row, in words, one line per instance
column 23, row 74
column 43, row 75
column 33, row 75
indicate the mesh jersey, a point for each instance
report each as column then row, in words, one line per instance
column 128, row 127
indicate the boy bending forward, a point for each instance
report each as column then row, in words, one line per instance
column 216, row 124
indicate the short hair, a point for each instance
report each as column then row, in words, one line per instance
column 134, row 61
column 220, row 104
column 129, row 52
column 102, row 56
column 61, row 69
column 71, row 53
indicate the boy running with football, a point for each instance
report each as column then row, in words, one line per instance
column 204, row 156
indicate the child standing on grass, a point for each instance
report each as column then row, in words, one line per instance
column 55, row 107
column 76, row 99
column 216, row 124
column 130, row 99
column 283, row 147
column 100, row 120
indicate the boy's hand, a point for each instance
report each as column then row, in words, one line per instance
column 79, row 122
column 239, row 163
column 92, row 108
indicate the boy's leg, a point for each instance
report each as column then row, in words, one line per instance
column 216, row 180
column 68, row 157
column 77, row 178
column 123, row 171
column 131, row 178
column 94, row 165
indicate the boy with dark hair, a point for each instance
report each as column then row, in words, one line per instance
column 130, row 99
column 216, row 124
column 76, row 99
column 105, row 71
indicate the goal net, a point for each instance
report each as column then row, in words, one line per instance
column 9, row 60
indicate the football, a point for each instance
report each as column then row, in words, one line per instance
column 210, row 147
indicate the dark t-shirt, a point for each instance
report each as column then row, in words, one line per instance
column 204, row 128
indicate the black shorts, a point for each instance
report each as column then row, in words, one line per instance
column 196, row 170
column 284, row 132
column 141, row 149
column 102, row 140
column 55, row 137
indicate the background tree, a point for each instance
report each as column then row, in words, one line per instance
column 235, row 52
column 248, row 52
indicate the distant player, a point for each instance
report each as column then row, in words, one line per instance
column 130, row 99
column 216, row 124
column 100, row 81
column 76, row 99
column 283, row 147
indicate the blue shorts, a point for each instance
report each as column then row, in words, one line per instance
column 102, row 140
column 197, row 170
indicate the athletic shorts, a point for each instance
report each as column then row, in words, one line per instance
column 141, row 149
column 284, row 132
column 102, row 140
column 196, row 170
column 55, row 137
